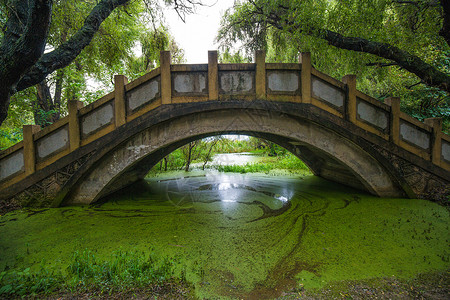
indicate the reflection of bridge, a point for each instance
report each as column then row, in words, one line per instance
column 341, row 133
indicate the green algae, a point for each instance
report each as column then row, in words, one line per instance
column 211, row 225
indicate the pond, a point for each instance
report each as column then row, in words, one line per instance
column 249, row 236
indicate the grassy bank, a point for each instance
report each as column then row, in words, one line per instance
column 116, row 274
column 287, row 162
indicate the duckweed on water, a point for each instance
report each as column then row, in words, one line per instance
column 234, row 235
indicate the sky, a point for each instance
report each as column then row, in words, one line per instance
column 197, row 35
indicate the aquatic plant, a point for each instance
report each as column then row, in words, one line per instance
column 121, row 270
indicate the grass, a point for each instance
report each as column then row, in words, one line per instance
column 287, row 162
column 121, row 271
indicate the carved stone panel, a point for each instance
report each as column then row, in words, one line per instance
column 12, row 164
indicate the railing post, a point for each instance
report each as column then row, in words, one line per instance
column 436, row 141
column 305, row 60
column 119, row 100
column 166, row 84
column 350, row 81
column 29, row 151
column 394, row 132
column 260, row 60
column 213, row 76
column 74, row 124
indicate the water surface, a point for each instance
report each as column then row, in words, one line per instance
column 241, row 235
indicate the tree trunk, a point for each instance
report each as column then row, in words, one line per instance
column 188, row 160
column 44, row 108
column 208, row 156
column 58, row 93
column 22, row 44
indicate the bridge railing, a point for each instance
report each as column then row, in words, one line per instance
column 169, row 83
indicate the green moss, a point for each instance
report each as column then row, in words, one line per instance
column 243, row 240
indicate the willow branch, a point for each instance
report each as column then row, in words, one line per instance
column 67, row 52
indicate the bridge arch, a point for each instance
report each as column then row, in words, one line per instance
column 328, row 153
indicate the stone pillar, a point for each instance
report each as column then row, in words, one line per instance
column 305, row 60
column 260, row 60
column 166, row 80
column 394, row 132
column 350, row 81
column 29, row 151
column 120, row 113
column 213, row 76
column 436, row 141
column 74, row 124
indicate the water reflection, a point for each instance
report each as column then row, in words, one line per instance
column 239, row 159
column 228, row 187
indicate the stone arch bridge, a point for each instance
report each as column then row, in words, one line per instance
column 341, row 133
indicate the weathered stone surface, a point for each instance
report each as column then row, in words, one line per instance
column 43, row 193
column 96, row 119
column 236, row 82
column 446, row 150
column 53, row 142
column 326, row 92
column 424, row 184
column 189, row 83
column 371, row 175
column 12, row 164
column 282, row 81
column 372, row 114
column 413, row 135
column 143, row 94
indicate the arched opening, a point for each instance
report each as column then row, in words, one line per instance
column 231, row 153
column 327, row 153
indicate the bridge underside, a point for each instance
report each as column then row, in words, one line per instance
column 328, row 154
column 332, row 147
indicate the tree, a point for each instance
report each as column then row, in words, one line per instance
column 393, row 30
column 110, row 46
column 207, row 154
column 26, row 26
column 395, row 47
column 152, row 43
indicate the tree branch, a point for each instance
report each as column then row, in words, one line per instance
column 445, row 31
column 67, row 52
column 412, row 63
column 380, row 64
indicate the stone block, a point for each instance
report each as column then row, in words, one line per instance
column 189, row 83
column 143, row 94
column 12, row 164
column 97, row 119
column 327, row 92
column 372, row 114
column 413, row 135
column 53, row 143
column 236, row 82
column 446, row 150
column 283, row 81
